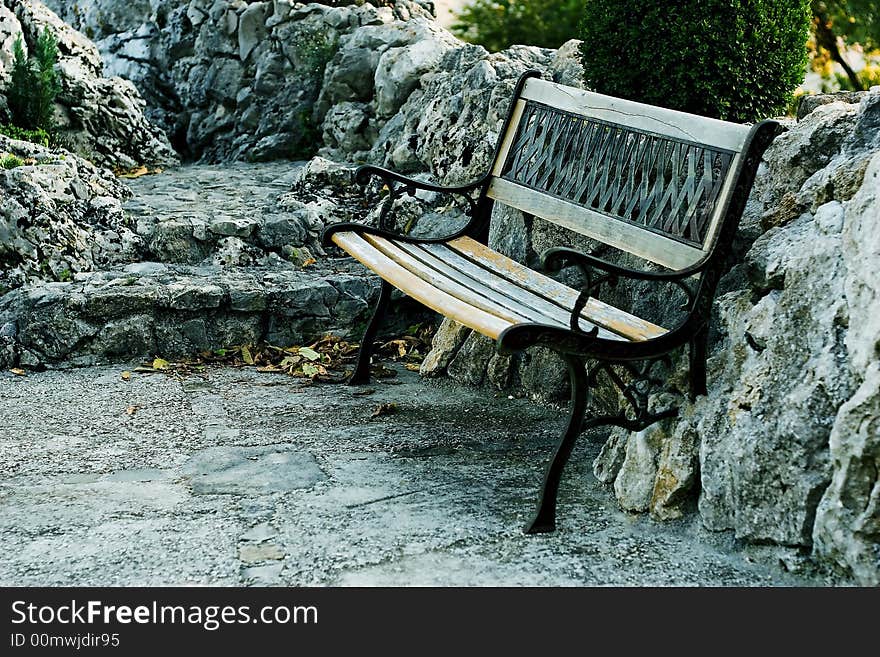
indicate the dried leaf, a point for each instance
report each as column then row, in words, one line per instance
column 18, row 371
column 246, row 356
column 131, row 410
column 413, row 367
column 385, row 409
column 310, row 354
column 308, row 262
column 126, row 376
column 160, row 364
column 135, row 173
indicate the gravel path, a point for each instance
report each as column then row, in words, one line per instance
column 240, row 478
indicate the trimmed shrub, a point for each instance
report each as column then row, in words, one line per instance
column 738, row 60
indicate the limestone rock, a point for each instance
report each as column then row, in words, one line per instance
column 60, row 215
column 446, row 343
column 634, row 485
column 847, row 528
column 100, row 118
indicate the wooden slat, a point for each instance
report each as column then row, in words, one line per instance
column 508, row 138
column 449, row 263
column 619, row 234
column 445, row 304
column 485, row 300
column 602, row 314
column 679, row 125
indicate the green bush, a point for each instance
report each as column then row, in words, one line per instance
column 10, row 161
column 738, row 60
column 498, row 24
column 38, row 136
column 33, row 84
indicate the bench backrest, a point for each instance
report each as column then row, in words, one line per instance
column 650, row 181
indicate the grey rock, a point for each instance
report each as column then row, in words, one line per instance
column 233, row 226
column 847, row 527
column 60, row 216
column 445, row 345
column 399, row 69
column 10, row 31
column 251, row 27
column 173, row 241
column 634, row 484
column 607, row 464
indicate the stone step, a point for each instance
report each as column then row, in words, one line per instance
column 238, row 214
column 150, row 308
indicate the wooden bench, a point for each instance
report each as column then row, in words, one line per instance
column 665, row 186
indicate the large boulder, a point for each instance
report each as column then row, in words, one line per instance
column 60, row 215
column 100, row 118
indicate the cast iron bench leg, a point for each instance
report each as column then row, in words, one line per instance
column 544, row 518
column 361, row 374
column 697, row 362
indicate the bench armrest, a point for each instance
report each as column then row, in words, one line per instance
column 397, row 185
column 553, row 259
column 363, row 173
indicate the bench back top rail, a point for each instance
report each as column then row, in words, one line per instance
column 647, row 180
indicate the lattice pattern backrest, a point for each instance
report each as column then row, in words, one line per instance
column 644, row 179
column 665, row 185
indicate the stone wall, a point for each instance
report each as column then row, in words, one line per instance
column 230, row 79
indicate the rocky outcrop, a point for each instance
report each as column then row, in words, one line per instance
column 59, row 215
column 230, row 79
column 413, row 98
column 101, row 119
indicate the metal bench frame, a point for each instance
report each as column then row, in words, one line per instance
column 666, row 186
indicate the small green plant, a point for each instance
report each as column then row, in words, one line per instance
column 738, row 60
column 10, row 161
column 314, row 50
column 38, row 136
column 65, row 276
column 34, row 84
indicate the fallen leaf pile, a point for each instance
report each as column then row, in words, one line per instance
column 329, row 360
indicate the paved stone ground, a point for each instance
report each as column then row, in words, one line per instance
column 205, row 192
column 240, row 478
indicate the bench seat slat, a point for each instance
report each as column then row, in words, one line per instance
column 445, row 304
column 493, row 286
column 482, row 289
column 486, row 300
column 602, row 314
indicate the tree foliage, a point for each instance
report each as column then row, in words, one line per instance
column 34, row 84
column 498, row 24
column 738, row 60
column 857, row 21
column 850, row 21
